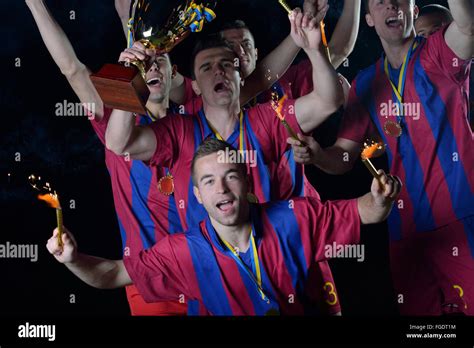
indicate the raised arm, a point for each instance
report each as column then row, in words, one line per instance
column 345, row 33
column 123, row 10
column 124, row 138
column 95, row 271
column 269, row 70
column 459, row 35
column 327, row 95
column 64, row 56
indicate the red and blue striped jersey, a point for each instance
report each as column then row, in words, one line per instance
column 195, row 267
column 434, row 156
column 179, row 136
column 144, row 214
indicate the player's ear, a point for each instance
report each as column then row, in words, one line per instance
column 197, row 194
column 195, row 87
column 416, row 12
column 369, row 20
column 256, row 54
column 174, row 71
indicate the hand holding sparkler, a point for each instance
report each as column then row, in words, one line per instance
column 305, row 149
column 52, row 199
column 66, row 252
column 385, row 188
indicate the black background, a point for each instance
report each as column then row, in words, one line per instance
column 66, row 151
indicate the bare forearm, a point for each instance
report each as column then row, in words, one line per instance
column 100, row 273
column 124, row 138
column 333, row 160
column 119, row 131
column 345, row 33
column 270, row 69
column 327, row 87
column 463, row 12
column 370, row 212
column 55, row 39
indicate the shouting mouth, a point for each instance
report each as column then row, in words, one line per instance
column 225, row 205
column 394, row 22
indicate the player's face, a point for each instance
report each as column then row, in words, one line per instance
column 392, row 19
column 243, row 44
column 429, row 24
column 158, row 79
column 217, row 76
column 222, row 189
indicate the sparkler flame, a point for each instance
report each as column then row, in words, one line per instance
column 278, row 105
column 50, row 199
column 372, row 149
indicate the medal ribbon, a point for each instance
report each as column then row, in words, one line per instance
column 257, row 278
column 399, row 90
column 241, row 132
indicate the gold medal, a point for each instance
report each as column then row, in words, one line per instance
column 166, row 185
column 393, row 129
column 252, row 198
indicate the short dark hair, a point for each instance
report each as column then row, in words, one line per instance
column 211, row 41
column 210, row 146
column 436, row 9
column 235, row 24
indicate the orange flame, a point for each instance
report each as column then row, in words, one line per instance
column 323, row 33
column 50, row 199
column 370, row 150
column 279, row 108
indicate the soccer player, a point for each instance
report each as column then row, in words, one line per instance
column 144, row 214
column 257, row 132
column 242, row 259
column 297, row 82
column 432, row 18
column 415, row 99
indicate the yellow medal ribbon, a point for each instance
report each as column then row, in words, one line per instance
column 257, row 278
column 398, row 90
column 241, row 132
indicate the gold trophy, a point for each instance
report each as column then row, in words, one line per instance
column 123, row 87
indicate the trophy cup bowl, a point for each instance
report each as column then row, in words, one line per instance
column 159, row 25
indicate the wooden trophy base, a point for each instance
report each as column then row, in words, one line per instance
column 121, row 88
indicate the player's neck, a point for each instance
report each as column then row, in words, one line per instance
column 158, row 110
column 396, row 51
column 223, row 118
column 237, row 236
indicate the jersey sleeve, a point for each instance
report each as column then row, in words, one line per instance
column 270, row 131
column 327, row 223
column 439, row 57
column 170, row 135
column 157, row 272
column 356, row 124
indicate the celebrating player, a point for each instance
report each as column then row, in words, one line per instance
column 432, row 18
column 242, row 259
column 415, row 98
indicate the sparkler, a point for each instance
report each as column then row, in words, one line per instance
column 277, row 105
column 372, row 149
column 285, row 6
column 52, row 199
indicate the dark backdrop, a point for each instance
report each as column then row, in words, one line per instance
column 67, row 152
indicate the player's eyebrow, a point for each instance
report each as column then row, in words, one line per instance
column 206, row 177
column 206, row 64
